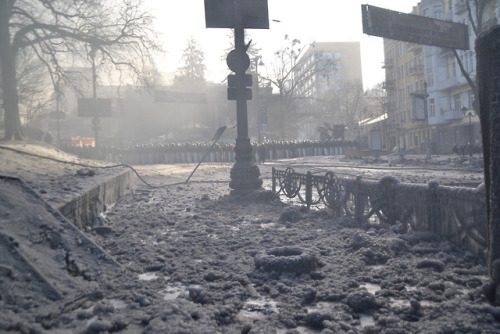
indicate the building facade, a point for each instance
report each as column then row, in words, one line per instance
column 325, row 68
column 431, row 104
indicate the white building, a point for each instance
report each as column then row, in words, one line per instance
column 325, row 67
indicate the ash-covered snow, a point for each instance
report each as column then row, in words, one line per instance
column 186, row 265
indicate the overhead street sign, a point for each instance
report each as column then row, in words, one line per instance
column 414, row 28
column 220, row 14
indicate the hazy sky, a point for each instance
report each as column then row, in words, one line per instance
column 312, row 20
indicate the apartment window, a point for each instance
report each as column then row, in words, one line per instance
column 457, row 102
column 432, row 108
column 451, row 67
column 463, row 60
column 470, row 59
column 430, row 76
column 443, row 104
column 471, row 99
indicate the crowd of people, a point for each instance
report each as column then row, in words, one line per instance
column 193, row 152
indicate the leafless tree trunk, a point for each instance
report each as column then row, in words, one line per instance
column 9, row 81
column 58, row 31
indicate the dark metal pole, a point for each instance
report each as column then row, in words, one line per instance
column 257, row 99
column 206, row 153
column 428, row 149
column 488, row 77
column 245, row 173
column 95, row 120
column 470, row 135
column 58, row 119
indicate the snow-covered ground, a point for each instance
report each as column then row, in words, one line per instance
column 186, row 259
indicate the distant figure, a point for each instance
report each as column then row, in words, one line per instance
column 462, row 149
column 262, row 153
column 454, row 150
column 47, row 138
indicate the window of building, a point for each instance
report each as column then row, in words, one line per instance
column 471, row 99
column 457, row 102
column 451, row 68
column 463, row 60
column 442, row 73
column 430, row 76
column 444, row 104
column 432, row 108
column 428, row 51
column 470, row 58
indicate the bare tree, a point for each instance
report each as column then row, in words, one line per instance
column 61, row 32
column 376, row 101
column 346, row 102
column 288, row 72
column 35, row 95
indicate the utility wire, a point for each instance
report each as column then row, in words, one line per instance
column 91, row 166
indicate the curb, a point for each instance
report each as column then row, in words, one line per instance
column 85, row 208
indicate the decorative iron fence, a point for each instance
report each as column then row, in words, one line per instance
column 457, row 213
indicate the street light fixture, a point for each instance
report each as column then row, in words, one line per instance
column 258, row 62
column 469, row 113
column 424, row 97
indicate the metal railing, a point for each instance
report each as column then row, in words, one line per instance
column 457, row 213
column 193, row 152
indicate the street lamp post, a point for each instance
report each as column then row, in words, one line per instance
column 258, row 62
column 469, row 113
column 425, row 96
column 239, row 15
column 95, row 120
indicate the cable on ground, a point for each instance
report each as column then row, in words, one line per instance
column 90, row 166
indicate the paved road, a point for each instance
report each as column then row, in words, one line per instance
column 447, row 170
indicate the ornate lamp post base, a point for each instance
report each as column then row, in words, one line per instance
column 245, row 173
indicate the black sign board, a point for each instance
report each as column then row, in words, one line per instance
column 232, row 93
column 220, row 14
column 414, row 28
column 89, row 107
column 179, row 97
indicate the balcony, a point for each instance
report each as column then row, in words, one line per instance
column 388, row 63
column 416, row 70
column 390, row 106
column 419, row 94
column 460, row 8
column 447, row 85
column 446, row 52
column 452, row 115
column 415, row 48
column 389, row 84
